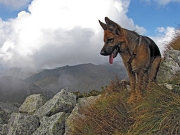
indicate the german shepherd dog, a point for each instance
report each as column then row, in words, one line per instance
column 140, row 54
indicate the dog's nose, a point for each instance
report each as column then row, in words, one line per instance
column 103, row 52
column 106, row 51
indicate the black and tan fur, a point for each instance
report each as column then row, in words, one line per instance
column 140, row 54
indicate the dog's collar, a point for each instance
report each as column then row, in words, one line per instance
column 119, row 47
column 136, row 47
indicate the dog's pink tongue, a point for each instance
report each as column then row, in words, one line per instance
column 111, row 59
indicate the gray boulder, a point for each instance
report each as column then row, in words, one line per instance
column 54, row 125
column 5, row 111
column 62, row 102
column 3, row 129
column 83, row 102
column 32, row 103
column 170, row 66
column 22, row 124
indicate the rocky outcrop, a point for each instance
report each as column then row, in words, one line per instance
column 37, row 118
column 51, row 118
column 5, row 111
column 54, row 125
column 170, row 66
column 75, row 113
column 22, row 124
column 62, row 102
column 3, row 129
column 32, row 103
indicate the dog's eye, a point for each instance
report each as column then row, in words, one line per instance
column 111, row 40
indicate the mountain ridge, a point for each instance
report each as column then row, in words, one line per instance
column 83, row 77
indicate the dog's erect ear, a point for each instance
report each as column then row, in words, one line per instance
column 112, row 26
column 103, row 25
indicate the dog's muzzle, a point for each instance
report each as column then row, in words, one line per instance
column 109, row 50
column 106, row 51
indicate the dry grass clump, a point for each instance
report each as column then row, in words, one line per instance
column 106, row 116
column 157, row 113
column 175, row 43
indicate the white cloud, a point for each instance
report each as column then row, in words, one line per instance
column 164, row 36
column 160, row 30
column 165, row 2
column 162, row 2
column 60, row 32
column 15, row 4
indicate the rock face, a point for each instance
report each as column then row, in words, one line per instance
column 5, row 111
column 32, row 103
column 37, row 118
column 169, row 66
column 62, row 102
column 22, row 124
column 54, row 125
column 82, row 103
column 3, row 129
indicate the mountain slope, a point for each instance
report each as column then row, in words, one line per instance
column 84, row 77
column 16, row 90
column 17, row 73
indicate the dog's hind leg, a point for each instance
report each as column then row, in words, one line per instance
column 154, row 69
column 132, row 79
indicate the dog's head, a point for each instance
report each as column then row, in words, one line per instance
column 114, row 36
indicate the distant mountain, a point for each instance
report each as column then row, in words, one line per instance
column 16, row 90
column 17, row 73
column 84, row 77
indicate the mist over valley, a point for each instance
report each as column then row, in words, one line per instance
column 16, row 83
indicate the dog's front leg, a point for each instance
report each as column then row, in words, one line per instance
column 132, row 84
column 139, row 92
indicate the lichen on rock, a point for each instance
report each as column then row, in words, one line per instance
column 32, row 103
column 62, row 102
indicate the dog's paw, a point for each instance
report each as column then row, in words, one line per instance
column 132, row 98
column 139, row 95
column 124, row 84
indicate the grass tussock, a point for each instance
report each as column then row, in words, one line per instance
column 106, row 116
column 175, row 43
column 156, row 114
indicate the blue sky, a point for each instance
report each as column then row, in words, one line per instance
column 151, row 14
column 52, row 33
column 10, row 8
